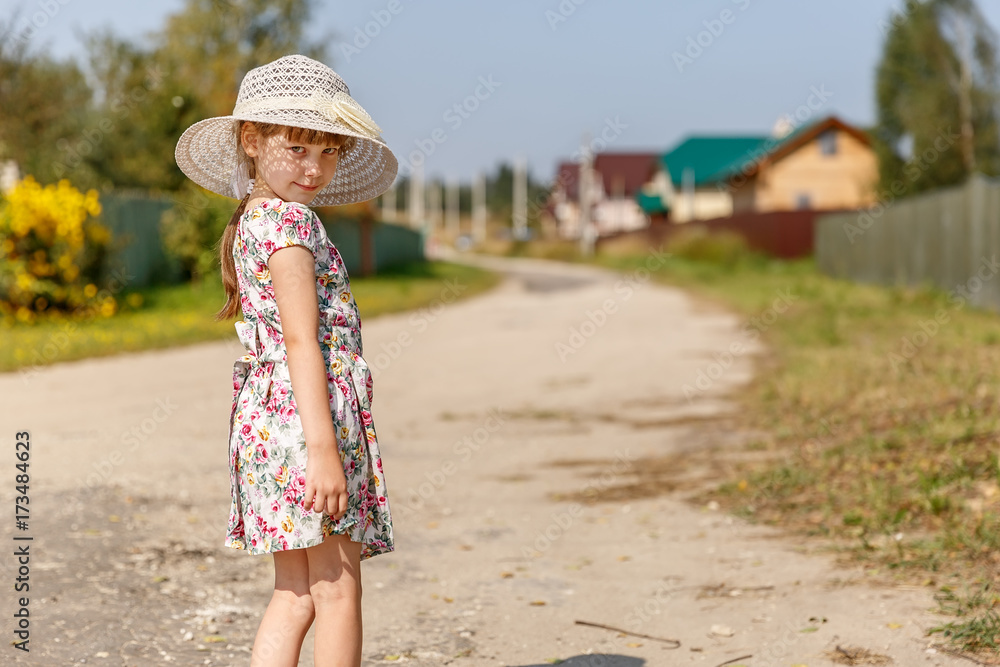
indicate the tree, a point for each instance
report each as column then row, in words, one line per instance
column 44, row 106
column 937, row 95
column 192, row 71
column 211, row 44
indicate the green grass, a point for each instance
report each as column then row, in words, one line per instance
column 978, row 628
column 881, row 413
column 183, row 314
column 877, row 428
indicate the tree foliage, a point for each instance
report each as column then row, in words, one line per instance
column 937, row 95
column 117, row 123
column 43, row 104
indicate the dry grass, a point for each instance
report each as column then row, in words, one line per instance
column 880, row 409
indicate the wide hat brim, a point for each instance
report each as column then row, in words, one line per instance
column 206, row 153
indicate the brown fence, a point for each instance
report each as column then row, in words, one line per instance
column 784, row 234
column 948, row 238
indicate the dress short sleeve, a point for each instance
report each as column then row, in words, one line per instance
column 279, row 224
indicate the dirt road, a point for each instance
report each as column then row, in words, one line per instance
column 500, row 419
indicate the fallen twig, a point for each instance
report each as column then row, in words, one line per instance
column 729, row 662
column 676, row 642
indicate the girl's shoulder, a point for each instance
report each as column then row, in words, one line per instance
column 274, row 223
column 276, row 208
column 275, row 214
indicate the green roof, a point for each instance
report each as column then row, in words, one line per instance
column 709, row 157
column 651, row 204
column 768, row 145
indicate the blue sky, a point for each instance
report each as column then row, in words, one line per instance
column 547, row 71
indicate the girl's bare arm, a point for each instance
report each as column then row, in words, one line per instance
column 293, row 274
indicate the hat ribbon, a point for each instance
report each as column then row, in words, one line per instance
column 340, row 108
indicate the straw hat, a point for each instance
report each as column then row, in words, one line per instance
column 301, row 92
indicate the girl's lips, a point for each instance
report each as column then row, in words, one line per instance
column 306, row 187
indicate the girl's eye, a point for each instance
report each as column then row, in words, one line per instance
column 331, row 150
column 296, row 149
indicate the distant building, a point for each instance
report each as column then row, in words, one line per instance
column 617, row 180
column 827, row 164
column 694, row 171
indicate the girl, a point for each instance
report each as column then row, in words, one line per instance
column 305, row 469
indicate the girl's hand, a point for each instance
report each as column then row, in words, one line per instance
column 326, row 484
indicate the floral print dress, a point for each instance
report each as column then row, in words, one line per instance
column 267, row 448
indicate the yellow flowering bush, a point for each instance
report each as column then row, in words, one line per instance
column 51, row 251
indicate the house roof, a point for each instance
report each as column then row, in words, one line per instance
column 627, row 171
column 773, row 149
column 715, row 159
column 706, row 156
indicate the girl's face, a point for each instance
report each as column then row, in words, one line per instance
column 289, row 170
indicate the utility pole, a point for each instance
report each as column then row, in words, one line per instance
column 417, row 198
column 434, row 205
column 452, row 223
column 588, row 234
column 520, row 204
column 479, row 208
column 389, row 204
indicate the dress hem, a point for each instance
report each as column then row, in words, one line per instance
column 241, row 545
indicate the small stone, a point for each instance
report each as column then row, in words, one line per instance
column 722, row 631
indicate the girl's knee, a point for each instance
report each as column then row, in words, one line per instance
column 298, row 604
column 344, row 590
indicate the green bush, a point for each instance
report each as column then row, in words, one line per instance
column 726, row 248
column 193, row 227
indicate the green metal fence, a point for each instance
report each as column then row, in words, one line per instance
column 134, row 220
column 392, row 244
column 949, row 238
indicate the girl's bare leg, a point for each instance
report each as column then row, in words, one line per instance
column 335, row 586
column 289, row 614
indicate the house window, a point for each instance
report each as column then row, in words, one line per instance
column 828, row 142
column 803, row 201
